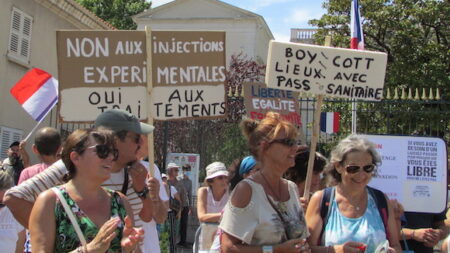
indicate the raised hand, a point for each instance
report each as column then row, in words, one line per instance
column 131, row 236
column 105, row 235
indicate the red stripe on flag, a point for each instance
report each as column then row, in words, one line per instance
column 29, row 84
column 354, row 43
column 336, row 118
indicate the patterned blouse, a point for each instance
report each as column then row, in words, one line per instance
column 66, row 237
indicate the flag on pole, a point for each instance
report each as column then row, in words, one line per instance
column 329, row 122
column 37, row 92
column 357, row 39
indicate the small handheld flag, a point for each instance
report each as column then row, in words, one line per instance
column 329, row 122
column 37, row 92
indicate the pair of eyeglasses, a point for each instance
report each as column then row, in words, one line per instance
column 286, row 141
column 103, row 151
column 352, row 169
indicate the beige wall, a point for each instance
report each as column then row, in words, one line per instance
column 43, row 55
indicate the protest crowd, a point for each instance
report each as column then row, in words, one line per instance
column 95, row 192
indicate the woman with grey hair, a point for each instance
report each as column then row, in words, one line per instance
column 11, row 235
column 351, row 216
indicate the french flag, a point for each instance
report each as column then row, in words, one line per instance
column 329, row 122
column 37, row 92
column 357, row 39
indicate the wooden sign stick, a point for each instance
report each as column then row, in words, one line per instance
column 151, row 147
column 315, row 136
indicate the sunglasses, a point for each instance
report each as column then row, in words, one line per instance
column 352, row 169
column 103, row 151
column 286, row 141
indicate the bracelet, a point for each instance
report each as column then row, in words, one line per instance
column 412, row 236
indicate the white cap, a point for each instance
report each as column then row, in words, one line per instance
column 163, row 175
column 216, row 169
column 172, row 165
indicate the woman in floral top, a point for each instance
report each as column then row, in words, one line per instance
column 100, row 213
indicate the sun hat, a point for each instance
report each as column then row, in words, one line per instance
column 172, row 165
column 118, row 120
column 216, row 169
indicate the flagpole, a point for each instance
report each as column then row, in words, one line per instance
column 34, row 129
column 354, row 115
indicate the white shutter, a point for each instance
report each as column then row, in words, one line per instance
column 20, row 36
column 8, row 136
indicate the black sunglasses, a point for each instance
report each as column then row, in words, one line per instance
column 103, row 151
column 352, row 169
column 286, row 141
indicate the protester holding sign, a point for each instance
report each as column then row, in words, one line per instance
column 264, row 212
column 88, row 217
column 352, row 216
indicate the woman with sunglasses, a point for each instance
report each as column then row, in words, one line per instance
column 353, row 221
column 99, row 214
column 264, row 214
column 211, row 200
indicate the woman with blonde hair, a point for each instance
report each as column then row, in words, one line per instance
column 82, row 216
column 264, row 214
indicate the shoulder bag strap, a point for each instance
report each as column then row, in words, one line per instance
column 71, row 216
column 125, row 181
column 325, row 210
column 279, row 215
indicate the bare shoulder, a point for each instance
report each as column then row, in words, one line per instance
column 242, row 195
column 48, row 195
column 202, row 190
column 316, row 199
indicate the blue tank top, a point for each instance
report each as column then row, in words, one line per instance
column 367, row 229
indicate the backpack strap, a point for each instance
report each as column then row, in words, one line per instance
column 382, row 205
column 325, row 210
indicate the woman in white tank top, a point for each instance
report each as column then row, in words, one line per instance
column 211, row 200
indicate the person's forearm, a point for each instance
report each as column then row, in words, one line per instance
column 146, row 213
column 407, row 233
column 21, row 209
column 160, row 211
column 210, row 217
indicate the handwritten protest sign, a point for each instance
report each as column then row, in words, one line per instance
column 413, row 171
column 101, row 70
column 259, row 100
column 188, row 75
column 328, row 71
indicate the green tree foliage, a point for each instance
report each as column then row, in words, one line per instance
column 414, row 33
column 116, row 12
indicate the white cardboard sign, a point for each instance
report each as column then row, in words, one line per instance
column 320, row 70
column 182, row 159
column 413, row 171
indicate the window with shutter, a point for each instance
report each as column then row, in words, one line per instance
column 8, row 136
column 20, row 36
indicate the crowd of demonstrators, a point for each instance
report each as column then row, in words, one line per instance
column 356, row 217
column 128, row 175
column 82, row 205
column 264, row 213
column 211, row 201
column 17, row 160
column 12, row 234
column 297, row 173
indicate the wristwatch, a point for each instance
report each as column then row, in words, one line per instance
column 267, row 249
column 143, row 194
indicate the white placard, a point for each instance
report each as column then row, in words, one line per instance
column 182, row 159
column 413, row 171
column 336, row 72
column 197, row 101
column 93, row 101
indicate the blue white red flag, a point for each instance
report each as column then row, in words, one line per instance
column 37, row 92
column 357, row 39
column 329, row 122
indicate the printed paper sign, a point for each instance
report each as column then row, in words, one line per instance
column 258, row 100
column 188, row 74
column 101, row 70
column 413, row 171
column 336, row 72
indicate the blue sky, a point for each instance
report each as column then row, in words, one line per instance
column 280, row 15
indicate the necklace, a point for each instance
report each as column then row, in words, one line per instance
column 282, row 207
